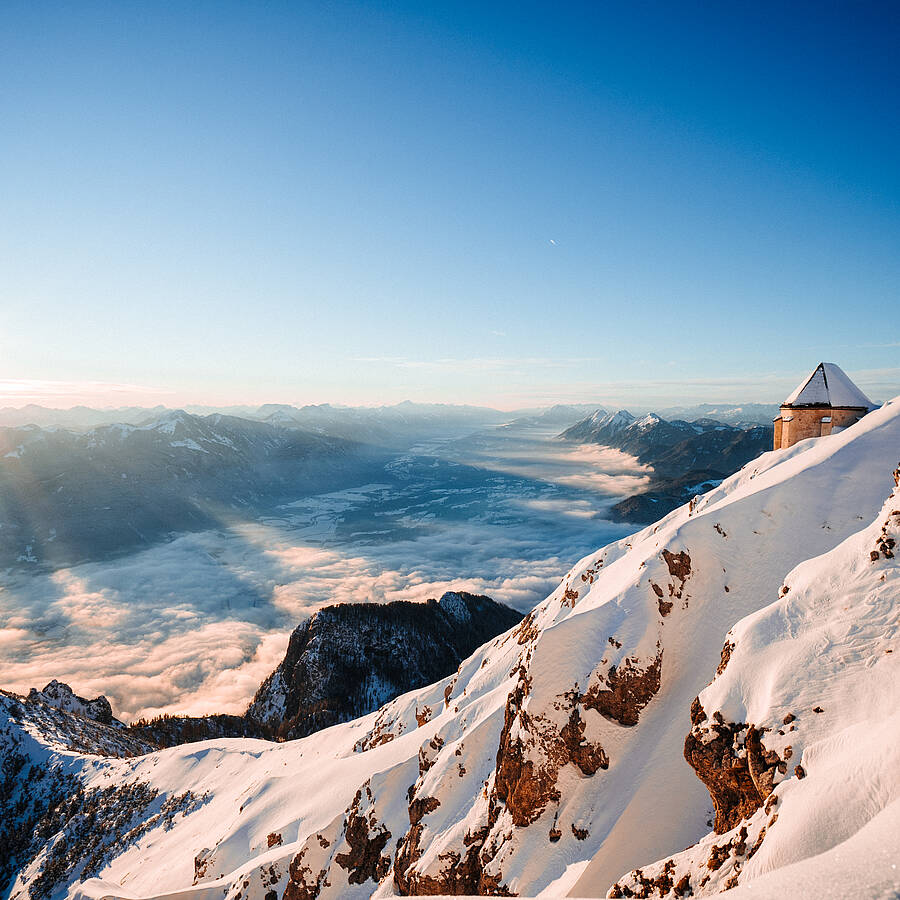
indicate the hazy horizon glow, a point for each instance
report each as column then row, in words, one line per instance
column 768, row 387
column 362, row 203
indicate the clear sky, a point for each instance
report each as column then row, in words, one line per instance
column 509, row 204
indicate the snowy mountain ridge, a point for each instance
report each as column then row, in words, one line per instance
column 552, row 760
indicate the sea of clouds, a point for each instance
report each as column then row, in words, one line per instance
column 195, row 625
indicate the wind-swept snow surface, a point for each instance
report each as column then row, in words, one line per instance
column 797, row 737
column 553, row 759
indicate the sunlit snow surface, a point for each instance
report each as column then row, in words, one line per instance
column 195, row 625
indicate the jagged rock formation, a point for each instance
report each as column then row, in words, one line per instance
column 552, row 758
column 349, row 659
column 62, row 697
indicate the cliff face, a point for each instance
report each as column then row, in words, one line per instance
column 349, row 659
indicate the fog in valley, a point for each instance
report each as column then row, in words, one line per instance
column 194, row 622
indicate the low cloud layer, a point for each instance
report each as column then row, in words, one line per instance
column 196, row 624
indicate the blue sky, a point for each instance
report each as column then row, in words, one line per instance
column 509, row 204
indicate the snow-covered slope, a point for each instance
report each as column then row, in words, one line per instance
column 797, row 736
column 554, row 754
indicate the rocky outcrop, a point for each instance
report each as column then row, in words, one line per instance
column 62, row 697
column 367, row 838
column 734, row 764
column 532, row 751
column 349, row 659
column 625, row 690
column 350, row 849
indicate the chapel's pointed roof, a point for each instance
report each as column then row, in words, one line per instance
column 828, row 385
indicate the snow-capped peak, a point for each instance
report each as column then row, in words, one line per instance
column 647, row 421
column 616, row 421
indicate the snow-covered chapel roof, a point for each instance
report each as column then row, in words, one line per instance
column 828, row 385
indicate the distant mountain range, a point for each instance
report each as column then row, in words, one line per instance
column 67, row 496
column 743, row 414
column 687, row 457
column 390, row 422
column 559, row 415
column 394, row 424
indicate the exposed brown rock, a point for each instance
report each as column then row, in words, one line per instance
column 366, row 839
column 726, row 657
column 698, row 714
column 648, row 887
column 738, row 784
column 201, row 864
column 462, row 873
column 528, row 765
column 588, row 757
column 420, row 807
column 526, row 630
column 679, row 567
column 428, row 753
column 718, row 854
column 627, row 690
column 273, row 839
column 303, row 884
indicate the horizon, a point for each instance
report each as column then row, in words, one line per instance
column 880, row 385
